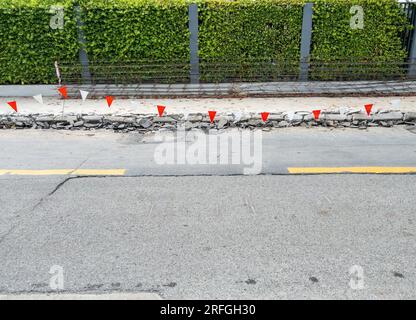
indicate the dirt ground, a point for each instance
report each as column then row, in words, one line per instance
column 148, row 106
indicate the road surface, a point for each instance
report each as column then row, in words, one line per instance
column 97, row 207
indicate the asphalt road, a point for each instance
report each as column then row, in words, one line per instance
column 137, row 154
column 225, row 235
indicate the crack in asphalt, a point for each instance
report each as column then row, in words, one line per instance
column 30, row 209
column 59, row 185
column 147, row 289
column 67, row 179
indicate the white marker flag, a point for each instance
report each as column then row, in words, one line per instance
column 38, row 98
column 84, row 94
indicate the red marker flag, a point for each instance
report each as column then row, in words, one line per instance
column 63, row 92
column 212, row 115
column 110, row 100
column 368, row 108
column 13, row 105
column 160, row 110
column 264, row 116
column 316, row 114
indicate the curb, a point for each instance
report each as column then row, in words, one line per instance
column 148, row 123
column 209, row 90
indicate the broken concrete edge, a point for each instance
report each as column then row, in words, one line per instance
column 144, row 123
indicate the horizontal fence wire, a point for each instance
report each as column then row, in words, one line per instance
column 140, row 71
column 221, row 71
column 345, row 70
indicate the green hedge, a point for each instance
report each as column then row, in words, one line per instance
column 28, row 46
column 238, row 40
column 152, row 32
column 372, row 51
column 250, row 39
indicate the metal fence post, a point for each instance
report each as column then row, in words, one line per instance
column 193, row 42
column 83, row 57
column 412, row 54
column 305, row 46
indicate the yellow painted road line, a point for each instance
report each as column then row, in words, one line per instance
column 37, row 172
column 323, row 170
column 75, row 172
column 98, row 172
